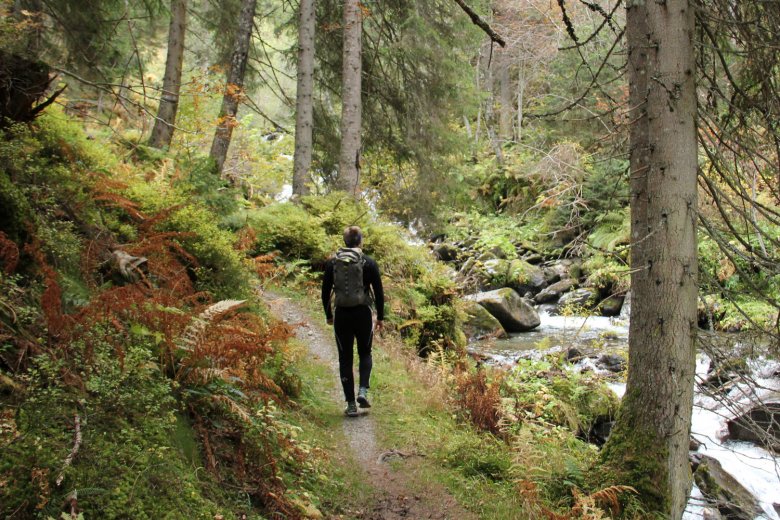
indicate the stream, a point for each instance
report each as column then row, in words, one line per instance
column 757, row 469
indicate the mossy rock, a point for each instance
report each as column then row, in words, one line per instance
column 723, row 490
column 524, row 277
column 611, row 305
column 553, row 292
column 480, row 323
column 515, row 313
column 578, row 298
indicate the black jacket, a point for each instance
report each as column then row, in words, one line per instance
column 371, row 278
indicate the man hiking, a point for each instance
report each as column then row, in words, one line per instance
column 351, row 276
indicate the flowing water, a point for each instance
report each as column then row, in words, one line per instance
column 755, row 468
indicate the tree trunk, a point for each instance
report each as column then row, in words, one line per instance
column 303, row 103
column 162, row 133
column 349, row 158
column 505, row 109
column 234, row 86
column 520, row 99
column 490, row 113
column 649, row 444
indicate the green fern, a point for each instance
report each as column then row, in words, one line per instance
column 613, row 230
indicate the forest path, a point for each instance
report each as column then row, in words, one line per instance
column 396, row 496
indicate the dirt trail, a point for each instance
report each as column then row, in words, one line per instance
column 395, row 499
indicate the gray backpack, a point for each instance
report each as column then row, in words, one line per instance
column 348, row 279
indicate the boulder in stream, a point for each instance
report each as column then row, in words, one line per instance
column 577, row 298
column 480, row 323
column 524, row 277
column 724, row 371
column 759, row 425
column 723, row 491
column 612, row 363
column 553, row 292
column 513, row 312
column 611, row 305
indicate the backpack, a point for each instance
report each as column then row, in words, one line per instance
column 348, row 279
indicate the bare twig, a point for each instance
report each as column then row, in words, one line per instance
column 73, row 452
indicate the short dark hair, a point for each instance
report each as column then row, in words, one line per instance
column 353, row 236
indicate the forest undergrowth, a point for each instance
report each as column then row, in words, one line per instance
column 142, row 377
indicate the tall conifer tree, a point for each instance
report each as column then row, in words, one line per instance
column 349, row 156
column 649, row 443
column 304, row 109
column 162, row 133
column 234, row 85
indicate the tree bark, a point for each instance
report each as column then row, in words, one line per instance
column 162, row 133
column 520, row 99
column 649, row 444
column 349, row 157
column 303, row 103
column 234, row 86
column 505, row 98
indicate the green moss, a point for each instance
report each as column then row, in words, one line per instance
column 636, row 458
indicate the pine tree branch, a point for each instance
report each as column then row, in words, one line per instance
column 479, row 22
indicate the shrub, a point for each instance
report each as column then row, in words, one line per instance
column 289, row 228
column 480, row 399
column 221, row 268
column 127, row 464
column 543, row 392
column 477, row 456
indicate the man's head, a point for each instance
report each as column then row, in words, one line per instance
column 353, row 237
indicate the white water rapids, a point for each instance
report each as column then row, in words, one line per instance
column 755, row 468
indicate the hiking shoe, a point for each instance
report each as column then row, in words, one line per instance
column 351, row 409
column 362, row 398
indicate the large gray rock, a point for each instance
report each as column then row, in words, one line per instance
column 625, row 311
column 491, row 274
column 760, row 425
column 480, row 323
column 524, row 277
column 723, row 491
column 552, row 293
column 496, row 268
column 513, row 312
column 612, row 363
column 611, row 305
column 577, row 298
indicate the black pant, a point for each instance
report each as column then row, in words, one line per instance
column 350, row 323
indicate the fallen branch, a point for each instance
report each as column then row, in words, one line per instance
column 482, row 24
column 73, row 452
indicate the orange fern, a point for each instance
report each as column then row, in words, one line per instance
column 9, row 253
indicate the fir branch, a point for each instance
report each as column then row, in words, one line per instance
column 479, row 22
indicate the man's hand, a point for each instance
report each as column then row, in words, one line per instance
column 379, row 326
